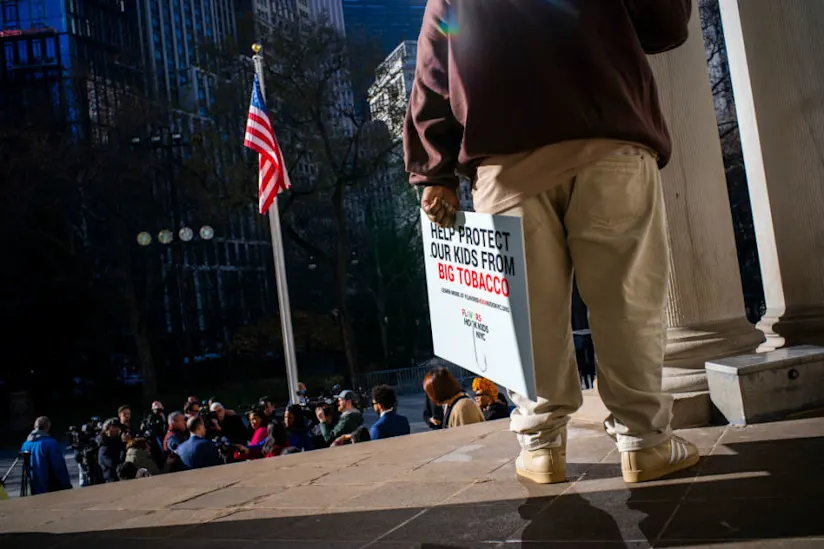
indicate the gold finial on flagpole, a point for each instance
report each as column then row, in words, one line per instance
column 256, row 47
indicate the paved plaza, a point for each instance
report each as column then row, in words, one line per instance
column 757, row 487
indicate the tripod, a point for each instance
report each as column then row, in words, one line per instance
column 25, row 480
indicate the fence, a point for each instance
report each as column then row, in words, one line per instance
column 407, row 381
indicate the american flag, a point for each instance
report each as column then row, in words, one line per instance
column 260, row 137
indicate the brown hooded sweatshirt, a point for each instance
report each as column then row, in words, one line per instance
column 502, row 77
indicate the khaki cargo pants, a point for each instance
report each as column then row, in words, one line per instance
column 608, row 225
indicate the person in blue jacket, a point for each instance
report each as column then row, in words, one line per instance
column 198, row 451
column 390, row 423
column 48, row 466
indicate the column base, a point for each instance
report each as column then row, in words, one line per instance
column 690, row 347
column 688, row 410
column 795, row 326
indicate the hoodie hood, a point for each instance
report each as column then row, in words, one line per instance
column 37, row 435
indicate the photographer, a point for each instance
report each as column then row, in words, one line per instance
column 48, row 466
column 112, row 450
column 350, row 418
column 124, row 416
column 221, row 424
column 153, row 428
column 198, row 452
column 84, row 442
column 192, row 409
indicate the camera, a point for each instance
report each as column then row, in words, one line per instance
column 225, row 449
column 84, row 442
column 152, row 427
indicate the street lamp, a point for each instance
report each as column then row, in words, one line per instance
column 144, row 238
column 354, row 261
column 186, row 234
column 312, row 264
column 165, row 236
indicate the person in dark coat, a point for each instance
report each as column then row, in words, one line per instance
column 433, row 414
column 47, row 465
column 296, row 431
column 227, row 425
column 112, row 450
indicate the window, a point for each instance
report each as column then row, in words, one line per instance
column 51, row 49
column 10, row 13
column 8, row 54
column 22, row 53
column 37, row 50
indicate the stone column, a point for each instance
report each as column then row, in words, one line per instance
column 705, row 307
column 705, row 312
column 776, row 58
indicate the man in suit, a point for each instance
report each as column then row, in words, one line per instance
column 198, row 452
column 390, row 423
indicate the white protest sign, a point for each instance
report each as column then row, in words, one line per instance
column 476, row 280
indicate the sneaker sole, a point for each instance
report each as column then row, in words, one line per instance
column 632, row 477
column 542, row 478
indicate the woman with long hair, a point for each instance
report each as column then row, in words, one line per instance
column 297, row 433
column 444, row 390
column 276, row 441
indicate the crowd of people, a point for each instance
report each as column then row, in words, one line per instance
column 207, row 434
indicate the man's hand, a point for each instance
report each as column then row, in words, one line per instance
column 321, row 415
column 434, row 421
column 242, row 449
column 440, row 204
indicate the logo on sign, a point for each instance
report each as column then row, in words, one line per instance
column 480, row 331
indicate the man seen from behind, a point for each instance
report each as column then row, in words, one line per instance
column 198, row 452
column 551, row 109
column 48, row 466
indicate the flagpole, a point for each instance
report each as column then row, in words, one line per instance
column 280, row 267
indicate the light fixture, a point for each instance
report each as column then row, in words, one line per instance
column 144, row 238
column 207, row 232
column 135, row 140
column 155, row 139
column 165, row 236
column 354, row 260
column 312, row 264
column 186, row 234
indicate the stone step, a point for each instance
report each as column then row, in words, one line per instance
column 761, row 387
column 688, row 410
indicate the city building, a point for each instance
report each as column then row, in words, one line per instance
column 174, row 37
column 330, row 12
column 388, row 98
column 70, row 62
column 383, row 23
column 389, row 95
